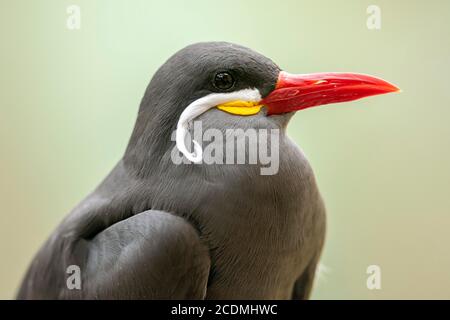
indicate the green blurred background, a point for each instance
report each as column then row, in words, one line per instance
column 69, row 100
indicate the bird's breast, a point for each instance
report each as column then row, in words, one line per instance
column 262, row 230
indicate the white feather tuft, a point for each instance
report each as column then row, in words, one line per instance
column 202, row 105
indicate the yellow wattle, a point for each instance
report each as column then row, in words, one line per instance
column 239, row 107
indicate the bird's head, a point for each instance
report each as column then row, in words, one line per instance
column 243, row 83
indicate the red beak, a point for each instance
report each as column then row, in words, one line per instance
column 297, row 92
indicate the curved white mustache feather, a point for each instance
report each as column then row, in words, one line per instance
column 202, row 105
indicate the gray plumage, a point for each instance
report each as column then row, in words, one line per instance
column 156, row 230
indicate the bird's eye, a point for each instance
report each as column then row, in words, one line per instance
column 223, row 81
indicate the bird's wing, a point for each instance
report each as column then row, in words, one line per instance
column 150, row 255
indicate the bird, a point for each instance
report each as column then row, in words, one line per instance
column 155, row 229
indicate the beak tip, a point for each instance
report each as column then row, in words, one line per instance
column 393, row 89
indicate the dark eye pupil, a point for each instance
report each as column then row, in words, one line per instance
column 223, row 81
